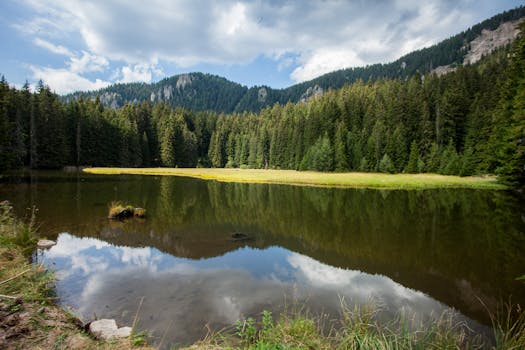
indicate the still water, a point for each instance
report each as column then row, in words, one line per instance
column 415, row 254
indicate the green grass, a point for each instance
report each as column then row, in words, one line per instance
column 360, row 329
column 311, row 178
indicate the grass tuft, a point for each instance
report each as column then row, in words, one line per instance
column 360, row 329
column 119, row 211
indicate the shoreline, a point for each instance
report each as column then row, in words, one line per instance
column 30, row 316
column 316, row 179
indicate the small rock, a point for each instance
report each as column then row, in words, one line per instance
column 45, row 243
column 107, row 329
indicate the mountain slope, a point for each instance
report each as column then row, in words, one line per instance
column 199, row 92
column 195, row 91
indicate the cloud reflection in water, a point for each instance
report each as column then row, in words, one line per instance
column 108, row 281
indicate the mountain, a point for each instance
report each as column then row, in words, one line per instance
column 194, row 91
column 201, row 92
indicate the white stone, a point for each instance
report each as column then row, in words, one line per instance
column 45, row 243
column 107, row 329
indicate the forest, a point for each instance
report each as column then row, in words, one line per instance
column 468, row 122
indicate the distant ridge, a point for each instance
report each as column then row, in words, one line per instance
column 206, row 92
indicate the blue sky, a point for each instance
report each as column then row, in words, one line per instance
column 88, row 44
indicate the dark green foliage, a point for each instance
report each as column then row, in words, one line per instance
column 512, row 148
column 413, row 158
column 386, row 165
column 433, row 159
column 195, row 91
column 340, row 152
column 319, row 156
column 450, row 160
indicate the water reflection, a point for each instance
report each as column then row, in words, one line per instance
column 98, row 278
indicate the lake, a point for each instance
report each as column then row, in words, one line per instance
column 414, row 254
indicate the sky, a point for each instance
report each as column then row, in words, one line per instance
column 89, row 44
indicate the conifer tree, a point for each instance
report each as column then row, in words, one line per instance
column 413, row 158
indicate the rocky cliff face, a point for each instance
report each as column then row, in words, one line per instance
column 164, row 93
column 110, row 99
column 484, row 44
column 262, row 94
column 490, row 40
column 183, row 81
column 311, row 92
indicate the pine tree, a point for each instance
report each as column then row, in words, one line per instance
column 340, row 153
column 413, row 158
column 433, row 159
column 386, row 165
column 450, row 160
column 512, row 149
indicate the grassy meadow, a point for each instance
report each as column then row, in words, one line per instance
column 312, row 178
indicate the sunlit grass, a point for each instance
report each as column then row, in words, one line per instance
column 312, row 178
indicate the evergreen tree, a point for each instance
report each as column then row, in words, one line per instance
column 450, row 160
column 386, row 165
column 512, row 149
column 340, row 153
column 433, row 159
column 413, row 158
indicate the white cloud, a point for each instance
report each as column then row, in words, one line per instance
column 138, row 72
column 87, row 63
column 325, row 60
column 136, row 256
column 70, row 79
column 56, row 49
column 68, row 245
column 63, row 81
column 323, row 35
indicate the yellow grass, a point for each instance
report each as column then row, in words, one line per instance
column 311, row 178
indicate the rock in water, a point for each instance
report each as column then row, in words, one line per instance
column 107, row 329
column 45, row 243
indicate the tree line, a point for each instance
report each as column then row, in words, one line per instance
column 471, row 121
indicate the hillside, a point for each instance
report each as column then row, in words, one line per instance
column 195, row 91
column 202, row 92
